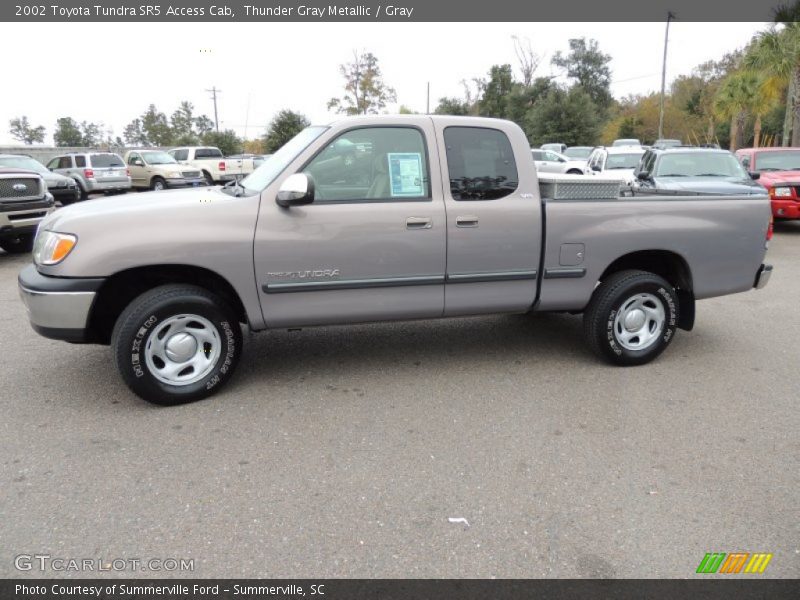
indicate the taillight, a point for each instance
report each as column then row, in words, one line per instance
column 221, row 166
column 88, row 173
column 128, row 172
column 770, row 228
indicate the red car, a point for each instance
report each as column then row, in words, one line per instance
column 779, row 170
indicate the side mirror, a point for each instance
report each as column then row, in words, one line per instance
column 296, row 190
column 643, row 175
column 596, row 168
column 137, row 162
column 754, row 175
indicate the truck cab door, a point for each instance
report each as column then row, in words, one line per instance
column 371, row 246
column 494, row 219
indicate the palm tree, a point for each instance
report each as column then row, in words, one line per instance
column 775, row 54
column 737, row 95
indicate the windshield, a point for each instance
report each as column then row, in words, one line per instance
column 275, row 164
column 700, row 164
column 577, row 152
column 158, row 158
column 785, row 160
column 23, row 162
column 624, row 161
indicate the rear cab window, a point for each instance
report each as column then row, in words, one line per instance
column 207, row 153
column 480, row 163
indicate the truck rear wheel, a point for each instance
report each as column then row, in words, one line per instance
column 631, row 318
column 176, row 344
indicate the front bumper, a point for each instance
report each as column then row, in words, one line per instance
column 762, row 277
column 785, row 208
column 23, row 217
column 64, row 192
column 58, row 307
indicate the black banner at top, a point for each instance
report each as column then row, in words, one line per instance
column 316, row 11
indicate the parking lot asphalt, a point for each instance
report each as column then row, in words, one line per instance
column 344, row 451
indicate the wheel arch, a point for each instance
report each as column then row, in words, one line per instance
column 667, row 264
column 122, row 287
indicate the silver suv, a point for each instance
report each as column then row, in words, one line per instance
column 94, row 171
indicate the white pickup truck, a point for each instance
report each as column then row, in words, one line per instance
column 211, row 162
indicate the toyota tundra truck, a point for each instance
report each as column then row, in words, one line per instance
column 379, row 218
column 24, row 202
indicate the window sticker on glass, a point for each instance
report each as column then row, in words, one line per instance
column 405, row 173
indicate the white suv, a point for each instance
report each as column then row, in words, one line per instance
column 94, row 171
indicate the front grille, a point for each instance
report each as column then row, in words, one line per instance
column 191, row 173
column 19, row 188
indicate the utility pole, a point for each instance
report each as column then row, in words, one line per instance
column 670, row 16
column 428, row 101
column 214, row 91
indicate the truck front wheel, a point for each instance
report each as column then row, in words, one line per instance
column 176, row 344
column 631, row 318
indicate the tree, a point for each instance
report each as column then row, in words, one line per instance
column 156, row 127
column 203, row 124
column 567, row 116
column 21, row 129
column 452, row 106
column 589, row 67
column 365, row 91
column 493, row 102
column 67, row 133
column 776, row 54
column 528, row 60
column 134, row 134
column 91, row 134
column 227, row 141
column 183, row 123
column 737, row 95
column 523, row 97
column 283, row 127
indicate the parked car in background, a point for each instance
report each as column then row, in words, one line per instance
column 578, row 152
column 779, row 171
column 548, row 161
column 93, row 171
column 617, row 162
column 702, row 170
column 627, row 142
column 24, row 202
column 441, row 217
column 157, row 170
column 214, row 167
column 554, row 147
column 64, row 189
column 667, row 143
column 258, row 159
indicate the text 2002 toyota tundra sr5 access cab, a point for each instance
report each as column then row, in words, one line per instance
column 379, row 218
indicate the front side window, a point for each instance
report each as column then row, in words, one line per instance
column 180, row 154
column 371, row 164
column 480, row 162
column 132, row 158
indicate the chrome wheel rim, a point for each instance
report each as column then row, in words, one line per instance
column 158, row 186
column 183, row 349
column 639, row 322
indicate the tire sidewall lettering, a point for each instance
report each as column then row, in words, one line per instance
column 136, row 345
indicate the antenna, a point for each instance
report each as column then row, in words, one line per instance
column 214, row 91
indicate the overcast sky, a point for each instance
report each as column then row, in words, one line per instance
column 111, row 72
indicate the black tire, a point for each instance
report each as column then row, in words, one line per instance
column 604, row 332
column 158, row 184
column 208, row 178
column 150, row 313
column 17, row 244
column 82, row 193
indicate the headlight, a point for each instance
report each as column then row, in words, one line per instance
column 50, row 248
column 176, row 174
column 782, row 192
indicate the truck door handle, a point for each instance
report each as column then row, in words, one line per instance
column 419, row 223
column 467, row 221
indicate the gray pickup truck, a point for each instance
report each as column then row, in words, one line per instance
column 372, row 219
